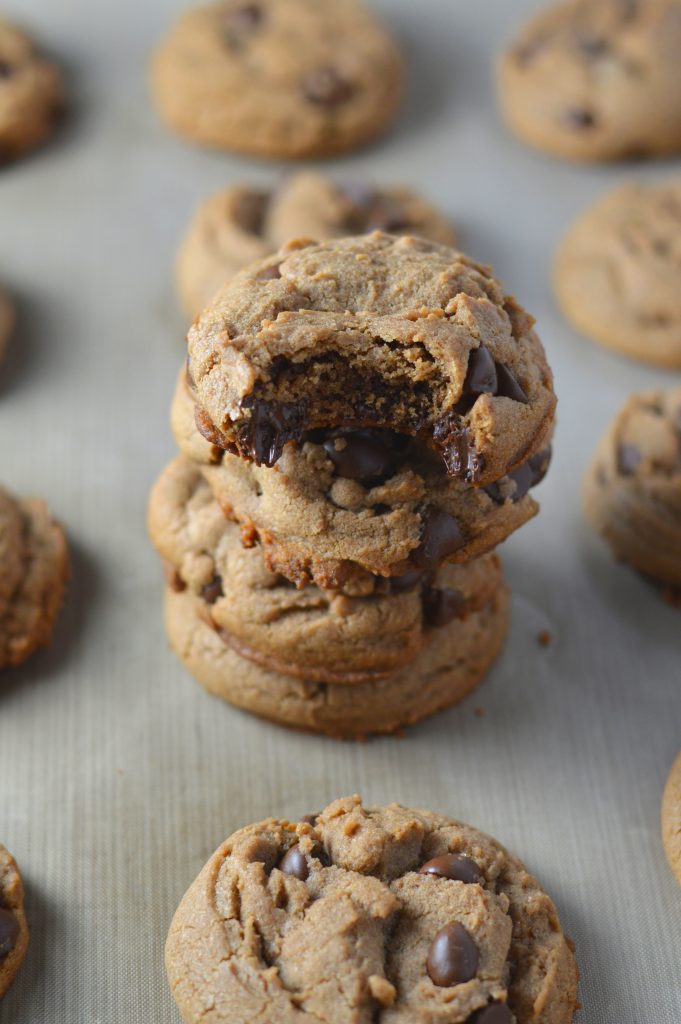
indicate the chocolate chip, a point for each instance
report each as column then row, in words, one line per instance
column 403, row 584
column 242, row 23
column 212, row 591
column 495, row 1013
column 9, row 932
column 522, row 478
column 579, row 118
column 452, row 957
column 269, row 273
column 455, row 866
column 592, row 46
column 458, row 449
column 441, row 536
column 294, row 863
column 270, row 426
column 310, row 819
column 388, row 215
column 326, row 88
column 481, row 375
column 360, row 455
column 5, row 69
column 539, row 464
column 442, row 605
column 628, row 458
column 508, row 386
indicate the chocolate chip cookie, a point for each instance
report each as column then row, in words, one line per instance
column 596, row 81
column 452, row 664
column 373, row 331
column 33, row 572
column 671, row 818
column 278, row 78
column 618, row 269
column 360, row 914
column 31, row 94
column 632, row 493
column 6, row 322
column 344, row 506
column 13, row 927
column 312, row 634
column 242, row 224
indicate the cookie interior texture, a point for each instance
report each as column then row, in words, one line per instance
column 278, row 78
column 34, row 557
column 13, row 927
column 241, row 224
column 445, row 671
column 618, row 268
column 596, row 81
column 632, row 491
column 344, row 506
column 31, row 93
column 373, row 331
column 361, row 915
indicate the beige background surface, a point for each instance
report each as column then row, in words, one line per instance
column 118, row 776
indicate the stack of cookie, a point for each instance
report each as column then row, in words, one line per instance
column 360, row 422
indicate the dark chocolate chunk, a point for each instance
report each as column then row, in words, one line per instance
column 456, row 866
column 409, row 581
column 9, row 932
column 271, row 425
column 481, row 375
column 212, row 591
column 269, row 273
column 442, row 605
column 388, row 215
column 241, row 23
column 522, row 478
column 495, row 1013
column 539, row 464
column 452, row 957
column 579, row 118
column 592, row 46
column 440, row 538
column 458, row 449
column 326, row 88
column 508, row 386
column 360, row 455
column 294, row 862
column 628, row 458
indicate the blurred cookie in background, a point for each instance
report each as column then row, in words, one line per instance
column 618, row 272
column 13, row 927
column 632, row 491
column 278, row 78
column 31, row 94
column 6, row 322
column 587, row 80
column 242, row 224
column 671, row 819
column 34, row 566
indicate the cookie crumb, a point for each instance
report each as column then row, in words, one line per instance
column 545, row 639
column 381, row 990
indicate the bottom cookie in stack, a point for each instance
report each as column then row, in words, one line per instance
column 311, row 658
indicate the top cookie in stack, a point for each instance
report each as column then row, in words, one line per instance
column 399, row 358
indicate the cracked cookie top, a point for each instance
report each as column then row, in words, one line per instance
column 597, row 81
column 363, row 915
column 376, row 331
